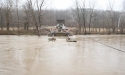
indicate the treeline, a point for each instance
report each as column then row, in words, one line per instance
column 91, row 19
column 85, row 20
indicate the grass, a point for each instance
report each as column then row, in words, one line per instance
column 15, row 32
column 45, row 31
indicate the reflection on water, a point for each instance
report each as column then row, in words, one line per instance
column 32, row 55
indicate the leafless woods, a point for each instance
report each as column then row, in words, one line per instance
column 85, row 18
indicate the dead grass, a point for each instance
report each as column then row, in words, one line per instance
column 22, row 32
column 45, row 31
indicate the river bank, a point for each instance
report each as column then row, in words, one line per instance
column 46, row 31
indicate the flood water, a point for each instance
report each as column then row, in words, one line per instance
column 91, row 55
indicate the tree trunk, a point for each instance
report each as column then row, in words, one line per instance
column 79, row 28
column 24, row 26
column 85, row 25
column 1, row 22
column 8, row 26
column 113, row 27
column 89, row 25
column 121, row 29
column 18, row 22
column 27, row 26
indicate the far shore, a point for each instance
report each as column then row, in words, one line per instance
column 46, row 31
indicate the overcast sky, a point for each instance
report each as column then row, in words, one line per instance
column 65, row 4
column 100, row 4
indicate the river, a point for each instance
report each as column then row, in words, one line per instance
column 90, row 55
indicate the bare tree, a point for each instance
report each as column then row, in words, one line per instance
column 83, row 11
column 17, row 12
column 107, row 22
column 111, row 6
column 77, row 11
column 35, row 8
column 103, row 16
column 121, row 21
column 80, row 12
column 8, row 12
column 96, row 20
column 26, row 18
column 124, row 11
column 91, row 12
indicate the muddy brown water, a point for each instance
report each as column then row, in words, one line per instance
column 33, row 55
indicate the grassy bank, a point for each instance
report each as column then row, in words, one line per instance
column 46, row 31
column 22, row 32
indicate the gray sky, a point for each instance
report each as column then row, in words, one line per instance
column 65, row 4
column 100, row 4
